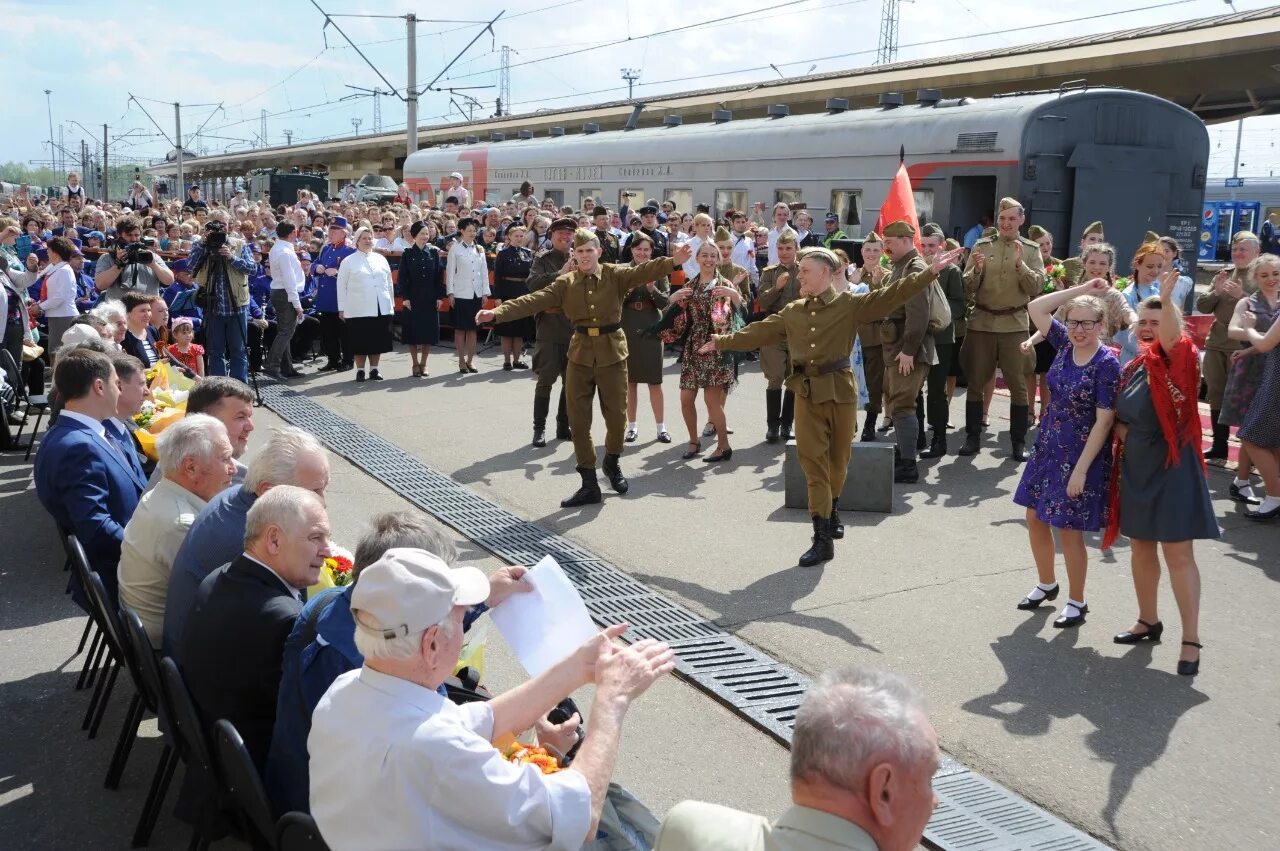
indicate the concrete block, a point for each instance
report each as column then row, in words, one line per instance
column 867, row 487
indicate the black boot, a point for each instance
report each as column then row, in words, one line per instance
column 788, row 415
column 869, row 427
column 613, row 471
column 972, row 428
column 823, row 548
column 541, row 405
column 938, row 446
column 588, row 494
column 773, row 414
column 1221, row 433
column 833, row 522
column 1018, row 432
column 905, row 472
column 562, row 421
column 920, row 435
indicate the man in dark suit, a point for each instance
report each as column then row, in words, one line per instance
column 84, row 479
column 233, row 642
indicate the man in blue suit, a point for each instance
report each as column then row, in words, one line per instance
column 84, row 478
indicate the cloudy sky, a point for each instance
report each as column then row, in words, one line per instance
column 252, row 56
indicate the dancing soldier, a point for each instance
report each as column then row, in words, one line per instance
column 778, row 288
column 591, row 297
column 551, row 351
column 819, row 328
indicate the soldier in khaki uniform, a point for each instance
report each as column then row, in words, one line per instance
column 872, row 274
column 908, row 350
column 1003, row 274
column 609, row 250
column 551, row 351
column 591, row 297
column 819, row 328
column 1073, row 267
column 1227, row 289
column 729, row 270
column 778, row 288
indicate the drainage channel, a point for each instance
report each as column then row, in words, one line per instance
column 974, row 814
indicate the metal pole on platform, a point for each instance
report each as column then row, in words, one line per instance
column 1235, row 164
column 106, row 194
column 177, row 135
column 411, row 87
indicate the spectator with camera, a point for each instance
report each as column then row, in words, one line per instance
column 220, row 265
column 130, row 265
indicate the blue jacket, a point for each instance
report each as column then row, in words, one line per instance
column 187, row 307
column 90, row 490
column 327, row 287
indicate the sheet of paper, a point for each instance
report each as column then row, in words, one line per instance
column 545, row 625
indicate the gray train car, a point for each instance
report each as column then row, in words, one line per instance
column 1073, row 156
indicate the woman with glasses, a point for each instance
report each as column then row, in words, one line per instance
column 1064, row 485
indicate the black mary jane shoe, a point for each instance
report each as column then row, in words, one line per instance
column 1153, row 633
column 374, row 375
column 507, row 367
column 1065, row 621
column 1190, row 669
column 1263, row 515
column 360, row 375
column 1237, row 496
column 693, row 451
column 664, row 437
column 716, row 457
column 1028, row 604
column 519, row 365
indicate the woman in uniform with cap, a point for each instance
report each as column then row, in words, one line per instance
column 642, row 308
column 421, row 284
column 510, row 275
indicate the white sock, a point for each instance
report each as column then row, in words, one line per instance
column 1269, row 503
column 631, row 426
column 1041, row 591
column 1072, row 608
column 662, row 427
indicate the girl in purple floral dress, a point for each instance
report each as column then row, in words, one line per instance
column 1064, row 485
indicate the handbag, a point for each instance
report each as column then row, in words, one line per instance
column 31, row 352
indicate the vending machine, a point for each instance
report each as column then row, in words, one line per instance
column 1220, row 220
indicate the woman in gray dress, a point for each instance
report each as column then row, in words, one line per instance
column 1162, row 504
column 1260, row 428
column 642, row 308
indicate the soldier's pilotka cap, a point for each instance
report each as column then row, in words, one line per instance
column 582, row 236
column 1152, row 236
column 900, row 228
column 788, row 235
column 1035, row 232
column 873, row 237
column 563, row 224
column 951, row 245
column 1009, row 204
column 987, row 233
column 1096, row 227
column 648, row 210
column 931, row 229
column 1245, row 236
column 722, row 235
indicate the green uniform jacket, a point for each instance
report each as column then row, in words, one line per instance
column 1222, row 306
column 1072, row 269
column 910, row 320
column 868, row 335
column 773, row 300
column 730, row 272
column 609, row 250
column 951, row 279
column 552, row 328
column 820, row 330
column 1003, row 284
column 591, row 301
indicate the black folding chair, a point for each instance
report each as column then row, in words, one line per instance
column 39, row 404
column 63, row 537
column 102, row 652
column 115, row 659
column 192, row 745
column 153, row 696
column 240, row 778
column 298, row 832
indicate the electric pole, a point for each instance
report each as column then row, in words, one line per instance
column 411, row 87
column 288, row 137
column 504, row 83
column 377, row 113
column 177, row 135
column 887, row 51
column 356, row 122
column 630, row 75
column 105, row 192
column 49, row 104
column 263, row 134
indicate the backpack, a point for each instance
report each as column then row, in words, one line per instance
column 939, row 309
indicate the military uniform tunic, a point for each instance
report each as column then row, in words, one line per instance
column 551, row 351
column 592, row 304
column 1218, row 348
column 906, row 329
column 730, row 272
column 609, row 250
column 773, row 357
column 872, row 351
column 1001, row 290
column 820, row 331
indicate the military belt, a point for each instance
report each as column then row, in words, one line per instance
column 596, row 332
column 639, row 305
column 553, row 310
column 1002, row 311
column 813, row 370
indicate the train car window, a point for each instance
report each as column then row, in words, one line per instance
column 633, row 198
column 556, row 195
column 682, row 198
column 924, row 204
column 847, row 204
column 787, row 196
column 494, row 196
column 584, row 194
column 729, row 199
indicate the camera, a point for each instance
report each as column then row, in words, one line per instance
column 139, row 252
column 215, row 237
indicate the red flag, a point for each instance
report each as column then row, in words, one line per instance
column 900, row 205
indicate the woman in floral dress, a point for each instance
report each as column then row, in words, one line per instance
column 1064, row 485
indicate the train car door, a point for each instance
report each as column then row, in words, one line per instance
column 972, row 197
column 1127, row 187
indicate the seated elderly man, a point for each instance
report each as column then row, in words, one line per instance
column 863, row 757
column 290, row 456
column 322, row 647
column 396, row 765
column 195, row 459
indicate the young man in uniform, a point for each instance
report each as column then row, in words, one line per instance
column 951, row 280
column 649, row 224
column 609, row 250
column 551, row 351
column 1073, row 267
column 590, row 296
column 819, row 327
column 1003, row 274
column 779, row 286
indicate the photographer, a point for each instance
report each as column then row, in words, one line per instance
column 130, row 265
column 220, row 266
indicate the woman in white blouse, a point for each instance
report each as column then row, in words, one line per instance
column 59, row 305
column 365, row 304
column 467, row 283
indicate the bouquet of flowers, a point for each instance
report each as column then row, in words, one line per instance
column 339, row 568
column 1122, row 283
column 522, row 754
column 1053, row 276
column 150, row 410
column 885, row 263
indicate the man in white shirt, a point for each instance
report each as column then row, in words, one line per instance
column 195, row 459
column 744, row 246
column 396, row 765
column 286, row 281
column 702, row 225
column 781, row 217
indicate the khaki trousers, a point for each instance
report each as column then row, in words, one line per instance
column 824, row 440
column 873, row 369
column 581, row 383
column 983, row 351
column 549, row 362
column 773, row 363
column 902, row 390
column 1216, row 367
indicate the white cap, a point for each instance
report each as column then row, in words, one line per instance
column 457, row 174
column 409, row 590
column 81, row 333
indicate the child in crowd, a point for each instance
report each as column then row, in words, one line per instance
column 183, row 349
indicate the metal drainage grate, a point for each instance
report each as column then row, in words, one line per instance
column 973, row 813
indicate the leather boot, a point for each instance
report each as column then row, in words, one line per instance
column 938, row 446
column 588, row 494
column 905, row 472
column 788, row 415
column 920, row 435
column 823, row 549
column 541, row 405
column 562, row 420
column 972, row 428
column 1221, row 433
column 613, row 471
column 773, row 414
column 869, row 427
column 1018, row 432
column 833, row 522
